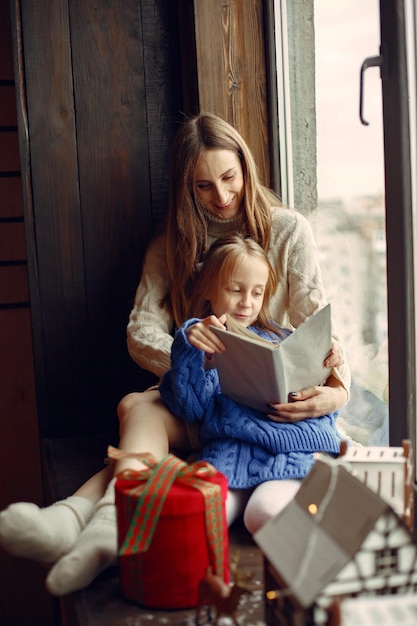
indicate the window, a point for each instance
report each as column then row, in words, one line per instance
column 357, row 179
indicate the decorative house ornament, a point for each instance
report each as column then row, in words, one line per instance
column 386, row 470
column 400, row 610
column 337, row 538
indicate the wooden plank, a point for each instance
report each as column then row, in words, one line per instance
column 12, row 242
column 20, row 466
column 18, row 406
column 232, row 69
column 11, row 198
column 8, row 116
column 114, row 170
column 14, row 284
column 112, row 148
column 57, row 269
column 6, row 58
column 163, row 94
column 187, row 46
column 9, row 152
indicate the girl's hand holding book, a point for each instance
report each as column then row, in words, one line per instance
column 200, row 336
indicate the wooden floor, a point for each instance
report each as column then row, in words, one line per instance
column 67, row 464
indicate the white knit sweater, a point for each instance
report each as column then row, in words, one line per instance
column 292, row 251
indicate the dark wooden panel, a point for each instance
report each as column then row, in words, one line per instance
column 6, row 58
column 12, row 242
column 19, row 467
column 161, row 56
column 11, row 199
column 113, row 153
column 57, row 269
column 18, row 406
column 9, row 152
column 8, row 115
column 13, row 284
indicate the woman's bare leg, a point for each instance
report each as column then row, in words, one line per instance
column 145, row 426
column 94, row 488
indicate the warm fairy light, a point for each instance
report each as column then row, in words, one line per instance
column 271, row 595
column 312, row 509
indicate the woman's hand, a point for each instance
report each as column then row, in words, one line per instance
column 200, row 336
column 312, row 402
column 335, row 357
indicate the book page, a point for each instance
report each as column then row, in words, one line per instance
column 255, row 372
column 303, row 353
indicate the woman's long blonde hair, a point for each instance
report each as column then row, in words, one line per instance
column 218, row 269
column 186, row 226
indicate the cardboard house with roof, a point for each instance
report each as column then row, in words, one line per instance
column 337, row 538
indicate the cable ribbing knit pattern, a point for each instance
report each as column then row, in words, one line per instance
column 239, row 441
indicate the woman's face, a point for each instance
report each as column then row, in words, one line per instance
column 219, row 183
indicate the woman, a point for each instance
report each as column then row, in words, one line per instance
column 214, row 191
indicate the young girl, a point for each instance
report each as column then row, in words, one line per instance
column 263, row 461
column 214, row 191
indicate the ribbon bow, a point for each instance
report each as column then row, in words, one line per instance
column 155, row 483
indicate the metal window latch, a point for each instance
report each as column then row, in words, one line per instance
column 369, row 62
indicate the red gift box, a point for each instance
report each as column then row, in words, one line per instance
column 171, row 528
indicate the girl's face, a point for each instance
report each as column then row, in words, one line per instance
column 242, row 294
column 219, row 183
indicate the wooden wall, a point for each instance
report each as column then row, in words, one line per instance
column 99, row 92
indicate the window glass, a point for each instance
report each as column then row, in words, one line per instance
column 349, row 222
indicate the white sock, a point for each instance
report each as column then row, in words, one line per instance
column 94, row 551
column 267, row 500
column 44, row 534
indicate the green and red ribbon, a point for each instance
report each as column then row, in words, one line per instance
column 151, row 492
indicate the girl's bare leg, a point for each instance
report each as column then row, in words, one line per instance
column 145, row 426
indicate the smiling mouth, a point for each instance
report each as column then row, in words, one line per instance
column 241, row 317
column 222, row 207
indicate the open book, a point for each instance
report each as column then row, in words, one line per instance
column 254, row 371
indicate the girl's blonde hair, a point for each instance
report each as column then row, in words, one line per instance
column 218, row 268
column 186, row 240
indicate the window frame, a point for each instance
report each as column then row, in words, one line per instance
column 399, row 223
column 398, row 31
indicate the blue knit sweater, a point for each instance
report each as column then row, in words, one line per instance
column 240, row 442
